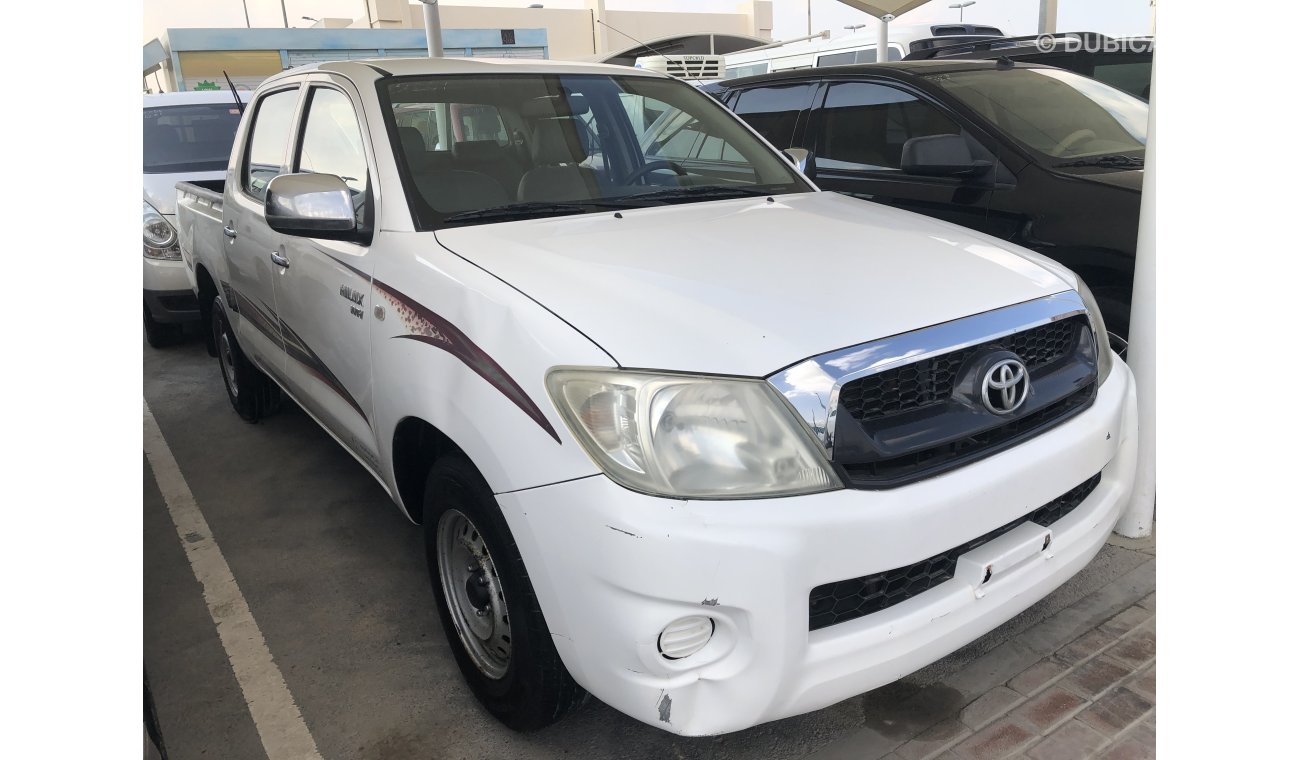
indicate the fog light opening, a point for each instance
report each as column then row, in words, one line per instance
column 685, row 636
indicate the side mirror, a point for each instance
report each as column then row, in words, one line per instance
column 941, row 156
column 310, row 205
column 799, row 157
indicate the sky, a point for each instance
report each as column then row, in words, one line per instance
column 1017, row 17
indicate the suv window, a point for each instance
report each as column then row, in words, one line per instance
column 269, row 141
column 773, row 111
column 1131, row 77
column 864, row 126
column 331, row 144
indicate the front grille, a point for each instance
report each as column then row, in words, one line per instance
column 885, row 473
column 833, row 603
column 931, row 381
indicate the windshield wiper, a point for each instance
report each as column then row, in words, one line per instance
column 698, row 193
column 531, row 210
column 1116, row 161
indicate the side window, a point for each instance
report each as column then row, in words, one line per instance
column 864, row 126
column 269, row 141
column 773, row 111
column 331, row 144
column 862, row 55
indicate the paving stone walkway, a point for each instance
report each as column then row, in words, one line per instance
column 1079, row 684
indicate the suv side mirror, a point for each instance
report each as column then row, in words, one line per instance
column 310, row 205
column 941, row 156
column 798, row 157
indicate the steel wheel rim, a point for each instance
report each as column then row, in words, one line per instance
column 227, row 352
column 472, row 588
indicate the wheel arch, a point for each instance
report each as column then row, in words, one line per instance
column 207, row 293
column 417, row 444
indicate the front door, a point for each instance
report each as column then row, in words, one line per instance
column 250, row 294
column 857, row 138
column 323, row 286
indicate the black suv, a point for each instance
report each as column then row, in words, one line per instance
column 1045, row 158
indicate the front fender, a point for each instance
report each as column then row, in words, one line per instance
column 468, row 354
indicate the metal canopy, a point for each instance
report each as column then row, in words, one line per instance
column 880, row 8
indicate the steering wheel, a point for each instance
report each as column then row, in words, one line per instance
column 652, row 166
column 1071, row 139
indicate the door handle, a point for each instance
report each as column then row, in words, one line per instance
column 279, row 260
column 229, row 231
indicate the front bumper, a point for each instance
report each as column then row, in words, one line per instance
column 167, row 292
column 612, row 567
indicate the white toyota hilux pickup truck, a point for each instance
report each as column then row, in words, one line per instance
column 681, row 430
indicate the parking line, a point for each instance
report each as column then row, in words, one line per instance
column 279, row 724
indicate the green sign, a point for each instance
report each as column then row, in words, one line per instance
column 206, row 85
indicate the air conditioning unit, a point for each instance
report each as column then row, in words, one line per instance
column 705, row 67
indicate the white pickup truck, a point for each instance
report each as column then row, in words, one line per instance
column 688, row 435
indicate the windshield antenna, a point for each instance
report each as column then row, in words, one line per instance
column 634, row 39
column 238, row 103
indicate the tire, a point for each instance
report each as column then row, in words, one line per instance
column 157, row 334
column 468, row 542
column 252, row 394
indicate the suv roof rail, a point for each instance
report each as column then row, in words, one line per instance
column 936, row 47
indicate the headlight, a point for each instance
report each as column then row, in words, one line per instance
column 159, row 236
column 690, row 436
column 1105, row 359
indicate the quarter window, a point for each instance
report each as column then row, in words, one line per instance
column 774, row 111
column 331, row 144
column 864, row 126
column 269, row 141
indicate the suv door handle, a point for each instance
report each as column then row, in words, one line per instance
column 279, row 260
column 229, row 231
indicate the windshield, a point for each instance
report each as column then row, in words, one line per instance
column 476, row 149
column 1059, row 114
column 192, row 138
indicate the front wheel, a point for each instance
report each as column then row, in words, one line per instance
column 158, row 334
column 486, row 602
column 250, row 391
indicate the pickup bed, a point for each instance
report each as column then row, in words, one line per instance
column 690, row 435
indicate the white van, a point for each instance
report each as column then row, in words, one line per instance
column 904, row 39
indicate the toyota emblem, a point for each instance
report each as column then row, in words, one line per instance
column 1005, row 386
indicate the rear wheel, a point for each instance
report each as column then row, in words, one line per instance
column 251, row 392
column 486, row 602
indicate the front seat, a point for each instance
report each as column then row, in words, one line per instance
column 556, row 174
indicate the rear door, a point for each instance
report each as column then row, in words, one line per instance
column 857, row 134
column 249, row 242
column 322, row 287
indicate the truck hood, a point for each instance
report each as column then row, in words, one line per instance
column 747, row 287
column 160, row 189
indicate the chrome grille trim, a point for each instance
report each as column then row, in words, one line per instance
column 813, row 385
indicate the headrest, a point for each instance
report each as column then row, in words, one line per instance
column 555, row 141
column 476, row 150
column 555, row 105
column 412, row 140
